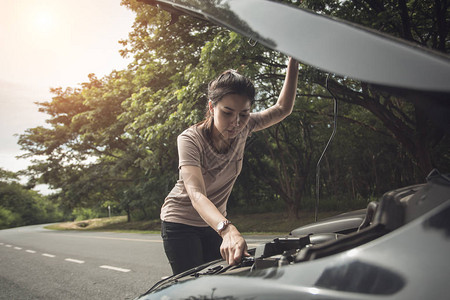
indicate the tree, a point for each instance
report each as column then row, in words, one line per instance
column 84, row 141
column 21, row 206
column 424, row 22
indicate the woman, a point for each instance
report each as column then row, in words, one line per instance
column 194, row 225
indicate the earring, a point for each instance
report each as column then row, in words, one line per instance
column 211, row 108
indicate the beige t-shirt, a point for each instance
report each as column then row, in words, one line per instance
column 219, row 172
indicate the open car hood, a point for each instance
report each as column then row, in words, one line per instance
column 329, row 44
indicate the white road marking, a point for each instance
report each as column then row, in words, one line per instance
column 115, row 269
column 9, row 246
column 17, row 248
column 48, row 255
column 1, row 244
column 30, row 251
column 74, row 260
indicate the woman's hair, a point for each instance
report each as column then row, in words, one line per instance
column 229, row 82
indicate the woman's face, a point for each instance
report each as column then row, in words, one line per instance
column 231, row 114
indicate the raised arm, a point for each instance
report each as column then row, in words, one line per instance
column 233, row 246
column 285, row 103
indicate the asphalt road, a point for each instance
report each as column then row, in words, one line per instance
column 36, row 263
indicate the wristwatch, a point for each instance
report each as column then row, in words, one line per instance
column 222, row 225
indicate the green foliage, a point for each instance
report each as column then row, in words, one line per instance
column 20, row 206
column 9, row 219
column 80, row 214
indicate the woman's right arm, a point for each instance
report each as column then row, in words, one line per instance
column 195, row 187
column 233, row 246
column 285, row 103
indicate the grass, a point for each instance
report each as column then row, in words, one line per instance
column 263, row 223
column 117, row 224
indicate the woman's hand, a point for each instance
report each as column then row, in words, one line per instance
column 233, row 246
column 292, row 63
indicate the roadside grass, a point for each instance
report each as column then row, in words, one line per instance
column 116, row 224
column 263, row 223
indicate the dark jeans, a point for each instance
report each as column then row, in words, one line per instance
column 189, row 246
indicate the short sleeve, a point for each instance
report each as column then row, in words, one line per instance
column 188, row 150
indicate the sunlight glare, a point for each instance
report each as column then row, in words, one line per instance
column 43, row 21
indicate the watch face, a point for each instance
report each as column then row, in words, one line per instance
column 221, row 226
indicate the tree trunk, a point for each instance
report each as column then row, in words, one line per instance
column 406, row 24
column 413, row 137
column 128, row 213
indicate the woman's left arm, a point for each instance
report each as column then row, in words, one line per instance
column 285, row 102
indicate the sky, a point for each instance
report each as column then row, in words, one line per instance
column 47, row 44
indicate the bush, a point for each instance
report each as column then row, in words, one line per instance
column 80, row 214
column 8, row 218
